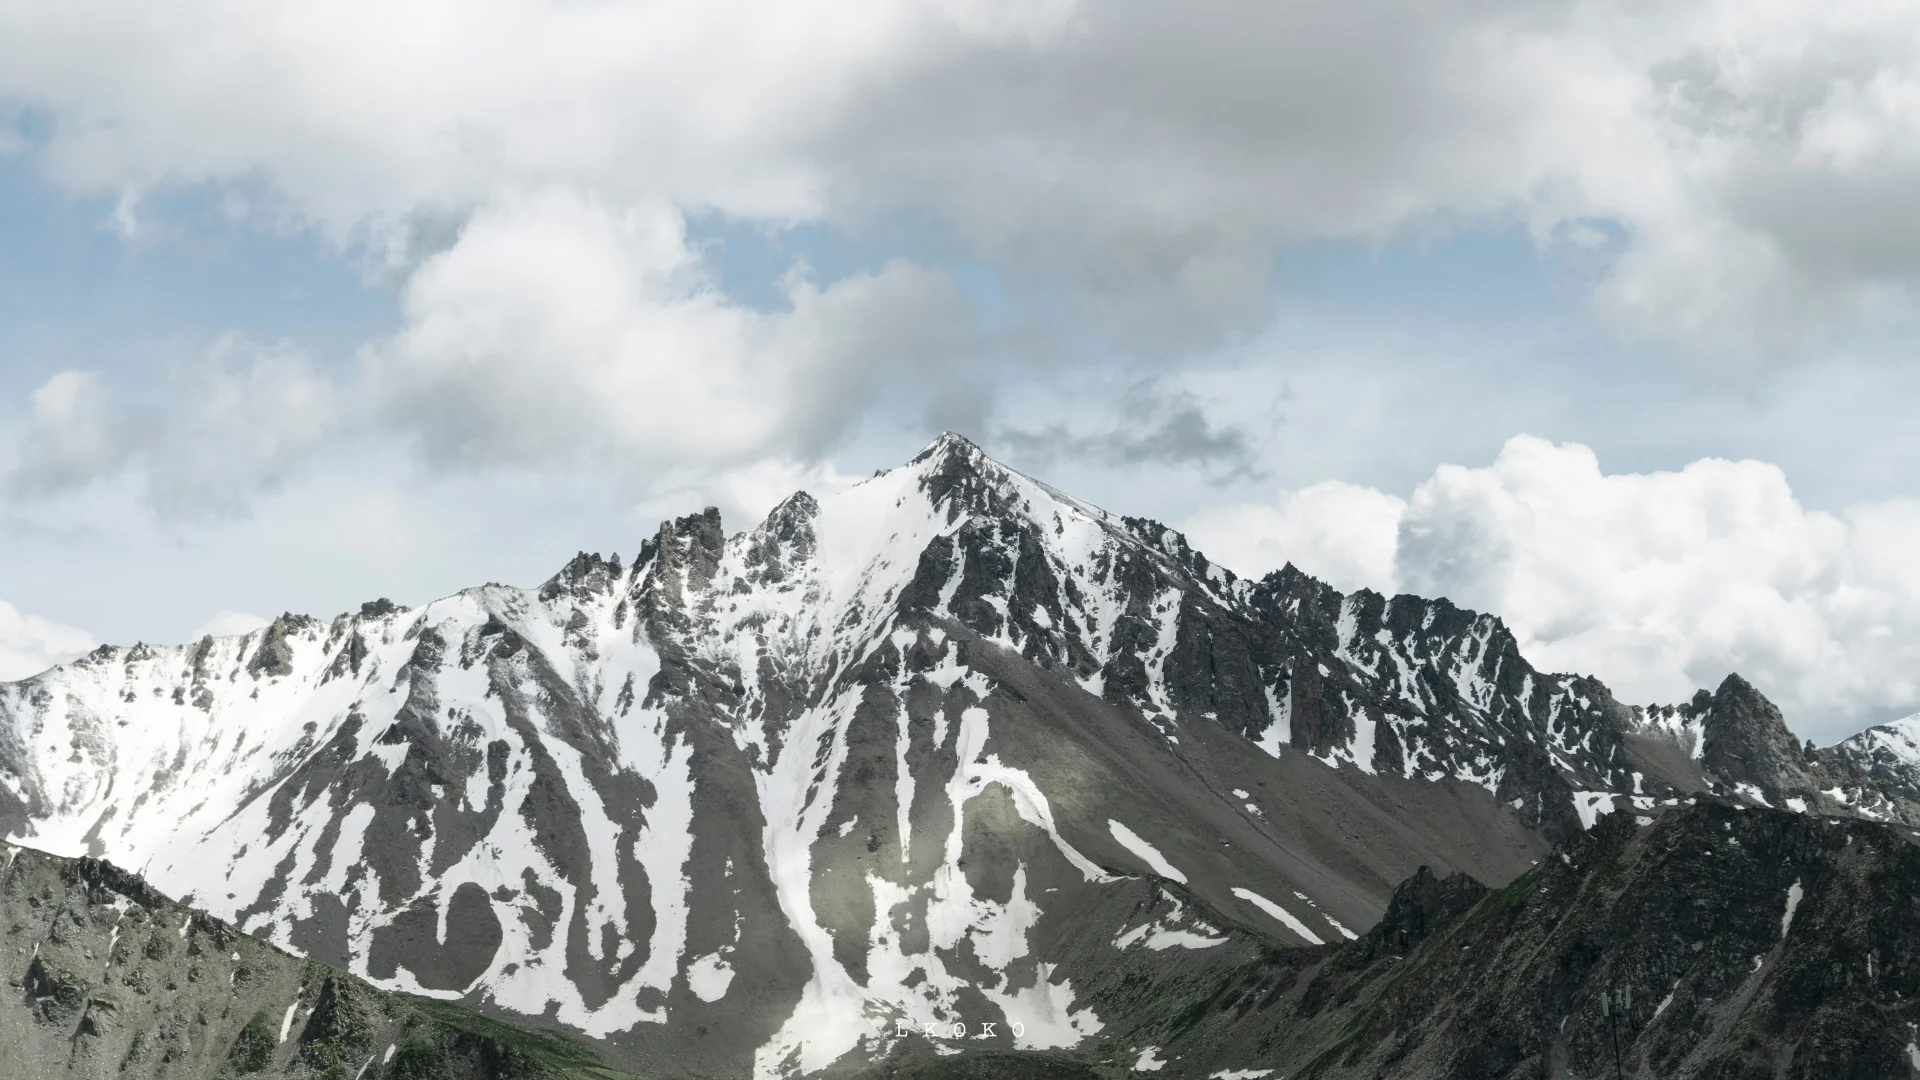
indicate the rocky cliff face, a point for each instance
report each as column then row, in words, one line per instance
column 1742, row 749
column 949, row 747
column 107, row 978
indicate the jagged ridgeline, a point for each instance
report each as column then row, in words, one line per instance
column 947, row 751
column 116, row 980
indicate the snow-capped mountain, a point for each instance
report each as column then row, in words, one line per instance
column 948, row 747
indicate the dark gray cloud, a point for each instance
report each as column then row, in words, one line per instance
column 1153, row 425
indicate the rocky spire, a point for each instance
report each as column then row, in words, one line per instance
column 1746, row 741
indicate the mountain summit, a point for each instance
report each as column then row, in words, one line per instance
column 947, row 748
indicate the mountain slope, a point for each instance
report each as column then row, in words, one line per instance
column 1810, row 969
column 926, row 751
column 115, row 980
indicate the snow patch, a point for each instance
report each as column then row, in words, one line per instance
column 1170, row 931
column 1279, row 731
column 1145, row 852
column 1278, row 912
column 1361, row 748
column 709, row 977
column 1331, row 921
column 1162, row 939
column 1591, row 804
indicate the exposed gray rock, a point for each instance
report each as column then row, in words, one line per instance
column 107, row 978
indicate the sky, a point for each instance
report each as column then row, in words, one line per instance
column 1597, row 316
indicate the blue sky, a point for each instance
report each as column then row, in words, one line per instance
column 76, row 290
column 1298, row 278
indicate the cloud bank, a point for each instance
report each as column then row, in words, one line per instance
column 1658, row 582
column 525, row 170
column 228, row 623
column 30, row 644
column 1151, row 156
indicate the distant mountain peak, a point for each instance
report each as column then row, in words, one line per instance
column 1746, row 740
column 948, row 442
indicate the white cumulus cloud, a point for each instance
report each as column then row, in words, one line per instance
column 557, row 327
column 30, row 644
column 230, row 623
column 73, row 437
column 1658, row 583
column 1345, row 534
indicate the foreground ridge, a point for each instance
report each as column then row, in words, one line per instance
column 116, row 980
